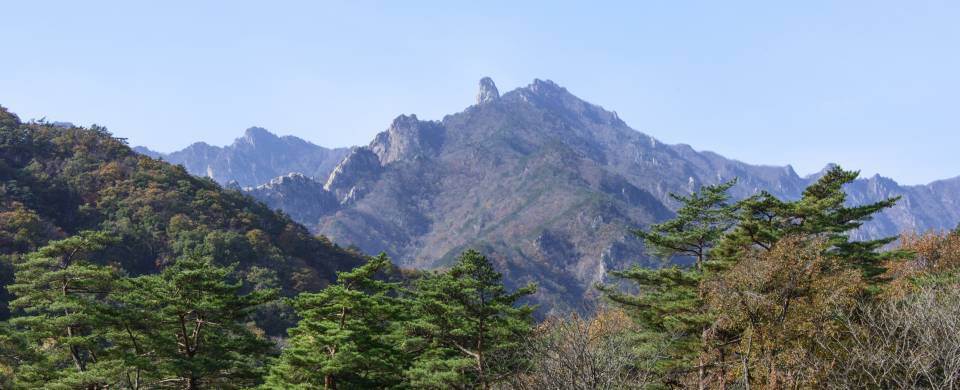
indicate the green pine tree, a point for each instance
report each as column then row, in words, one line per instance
column 347, row 336
column 467, row 328
column 669, row 308
column 669, row 314
column 701, row 220
column 15, row 351
column 821, row 212
column 189, row 328
column 60, row 294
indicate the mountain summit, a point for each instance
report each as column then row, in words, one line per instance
column 488, row 91
column 255, row 158
column 547, row 184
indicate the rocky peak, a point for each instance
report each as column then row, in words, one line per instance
column 359, row 166
column 296, row 191
column 290, row 178
column 257, row 135
column 404, row 122
column 488, row 91
column 546, row 89
column 408, row 138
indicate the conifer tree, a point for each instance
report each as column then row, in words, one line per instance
column 61, row 293
column 669, row 309
column 188, row 328
column 701, row 220
column 466, row 331
column 670, row 317
column 820, row 213
column 347, row 336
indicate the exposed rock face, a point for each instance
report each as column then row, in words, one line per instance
column 296, row 191
column 488, row 91
column 548, row 185
column 255, row 158
column 408, row 138
column 348, row 181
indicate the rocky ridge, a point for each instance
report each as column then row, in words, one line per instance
column 548, row 185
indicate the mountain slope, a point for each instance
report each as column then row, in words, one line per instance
column 546, row 183
column 56, row 181
column 255, row 158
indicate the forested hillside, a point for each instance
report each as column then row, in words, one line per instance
column 57, row 181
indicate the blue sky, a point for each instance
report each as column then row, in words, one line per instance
column 872, row 85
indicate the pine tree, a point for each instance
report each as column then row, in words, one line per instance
column 669, row 309
column 188, row 328
column 701, row 220
column 61, row 293
column 821, row 213
column 766, row 259
column 467, row 330
column 347, row 336
column 669, row 313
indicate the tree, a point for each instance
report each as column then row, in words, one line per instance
column 466, row 331
column 190, row 327
column 579, row 353
column 347, row 336
column 788, row 266
column 61, row 293
column 701, row 220
column 670, row 318
column 669, row 309
column 15, row 351
column 774, row 307
column 821, row 212
column 908, row 342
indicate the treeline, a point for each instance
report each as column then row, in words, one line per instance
column 57, row 181
column 773, row 295
column 80, row 325
column 777, row 296
column 124, row 272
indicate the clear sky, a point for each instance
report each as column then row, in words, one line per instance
column 872, row 85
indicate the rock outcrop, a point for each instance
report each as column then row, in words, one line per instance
column 408, row 138
column 349, row 180
column 548, row 185
column 255, row 158
column 488, row 91
column 296, row 191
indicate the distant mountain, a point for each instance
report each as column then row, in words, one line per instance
column 255, row 158
column 546, row 183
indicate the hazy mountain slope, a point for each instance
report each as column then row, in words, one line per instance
column 545, row 182
column 255, row 158
column 935, row 206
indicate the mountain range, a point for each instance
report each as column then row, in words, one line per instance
column 545, row 183
column 255, row 158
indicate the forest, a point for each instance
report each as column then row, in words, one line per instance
column 125, row 272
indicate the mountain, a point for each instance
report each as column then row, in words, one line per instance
column 56, row 181
column 255, row 158
column 547, row 184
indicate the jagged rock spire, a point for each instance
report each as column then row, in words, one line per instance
column 488, row 91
